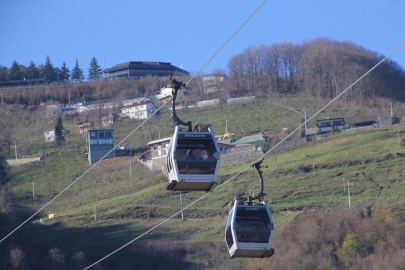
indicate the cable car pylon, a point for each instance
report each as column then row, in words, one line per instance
column 250, row 227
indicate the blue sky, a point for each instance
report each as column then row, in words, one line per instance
column 186, row 33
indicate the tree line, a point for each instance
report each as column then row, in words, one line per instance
column 321, row 68
column 49, row 72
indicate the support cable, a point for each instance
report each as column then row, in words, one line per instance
column 129, row 133
column 265, row 154
column 226, row 42
column 95, row 164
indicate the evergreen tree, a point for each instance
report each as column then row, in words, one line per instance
column 57, row 71
column 49, row 71
column 3, row 73
column 77, row 72
column 59, row 138
column 94, row 70
column 23, row 71
column 64, row 73
column 32, row 72
column 41, row 68
column 15, row 72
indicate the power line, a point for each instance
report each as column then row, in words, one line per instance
column 95, row 164
column 129, row 133
column 226, row 41
column 265, row 154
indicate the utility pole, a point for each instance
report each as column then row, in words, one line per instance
column 2, row 101
column 305, row 113
column 313, row 167
column 158, row 130
column 69, row 96
column 226, row 124
column 33, row 190
column 344, row 186
column 15, row 142
column 392, row 114
column 253, row 191
column 130, row 168
column 348, row 189
column 95, row 210
column 181, row 201
column 103, row 58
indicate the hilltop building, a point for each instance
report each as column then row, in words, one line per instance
column 99, row 143
column 137, row 69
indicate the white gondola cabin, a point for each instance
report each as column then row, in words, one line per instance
column 193, row 159
column 249, row 230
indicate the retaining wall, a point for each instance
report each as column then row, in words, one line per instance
column 16, row 162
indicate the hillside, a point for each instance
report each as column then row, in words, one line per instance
column 126, row 206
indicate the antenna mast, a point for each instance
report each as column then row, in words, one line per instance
column 103, row 57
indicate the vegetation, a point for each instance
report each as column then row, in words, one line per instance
column 95, row 70
column 306, row 184
column 321, row 68
column 77, row 72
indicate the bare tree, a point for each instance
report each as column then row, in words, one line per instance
column 17, row 258
column 6, row 137
column 56, row 256
column 53, row 112
column 79, row 258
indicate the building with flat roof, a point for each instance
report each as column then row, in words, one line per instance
column 99, row 143
column 137, row 69
column 326, row 125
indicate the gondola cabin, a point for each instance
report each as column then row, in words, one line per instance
column 193, row 159
column 249, row 230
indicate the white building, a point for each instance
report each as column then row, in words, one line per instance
column 139, row 111
column 50, row 135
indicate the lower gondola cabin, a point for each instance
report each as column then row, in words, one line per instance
column 249, row 230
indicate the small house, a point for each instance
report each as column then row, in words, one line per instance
column 213, row 82
column 85, row 126
column 159, row 147
column 50, row 135
column 109, row 119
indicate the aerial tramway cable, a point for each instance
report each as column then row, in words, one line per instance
column 265, row 154
column 95, row 164
column 63, row 191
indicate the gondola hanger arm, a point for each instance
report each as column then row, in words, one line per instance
column 177, row 86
